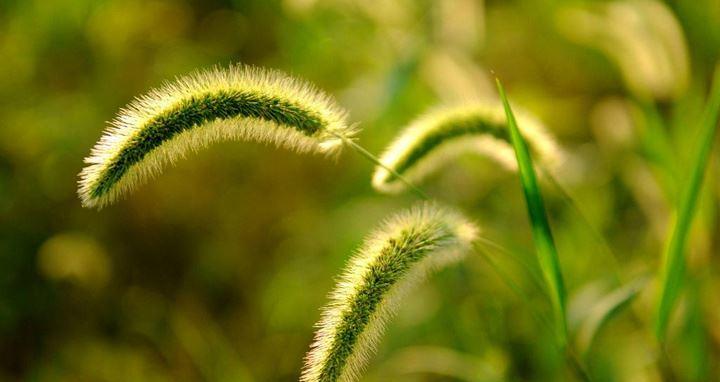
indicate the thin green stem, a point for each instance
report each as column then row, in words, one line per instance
column 575, row 363
column 671, row 273
column 374, row 159
column 509, row 281
column 535, row 278
column 599, row 238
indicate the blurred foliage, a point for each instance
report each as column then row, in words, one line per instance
column 181, row 281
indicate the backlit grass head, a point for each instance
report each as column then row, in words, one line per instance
column 240, row 102
column 642, row 37
column 396, row 256
column 444, row 133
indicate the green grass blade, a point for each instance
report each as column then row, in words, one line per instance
column 672, row 270
column 542, row 235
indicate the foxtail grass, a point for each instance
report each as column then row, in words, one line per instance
column 395, row 257
column 235, row 103
column 673, row 262
column 442, row 134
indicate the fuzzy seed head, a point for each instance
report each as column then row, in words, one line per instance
column 642, row 37
column 444, row 133
column 237, row 103
column 394, row 258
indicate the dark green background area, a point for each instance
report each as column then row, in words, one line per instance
column 217, row 269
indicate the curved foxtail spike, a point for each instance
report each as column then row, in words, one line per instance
column 239, row 102
column 395, row 257
column 444, row 133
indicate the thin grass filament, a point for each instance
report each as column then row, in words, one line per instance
column 505, row 277
column 597, row 236
column 375, row 160
column 673, row 262
column 394, row 258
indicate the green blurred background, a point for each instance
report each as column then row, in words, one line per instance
column 216, row 270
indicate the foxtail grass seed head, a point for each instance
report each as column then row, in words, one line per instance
column 444, row 133
column 395, row 257
column 239, row 102
column 642, row 37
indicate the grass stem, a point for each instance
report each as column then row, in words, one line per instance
column 597, row 236
column 672, row 270
column 374, row 159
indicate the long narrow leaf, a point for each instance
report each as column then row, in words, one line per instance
column 671, row 273
column 542, row 235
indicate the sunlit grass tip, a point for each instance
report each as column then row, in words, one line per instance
column 235, row 103
column 393, row 258
column 443, row 133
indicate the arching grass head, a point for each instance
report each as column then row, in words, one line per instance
column 643, row 38
column 396, row 256
column 240, row 102
column 444, row 133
